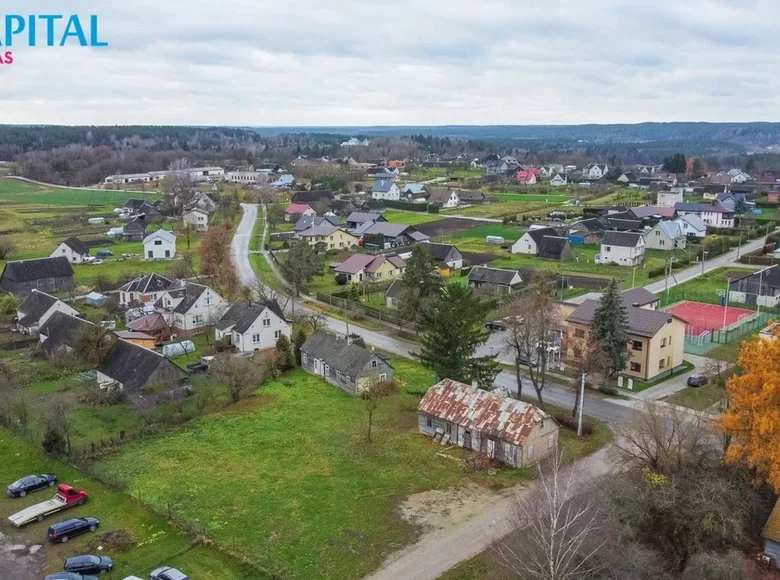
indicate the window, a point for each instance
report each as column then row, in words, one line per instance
column 383, row 377
column 579, row 333
column 670, row 340
column 663, row 342
column 449, row 428
column 303, row 357
column 277, row 334
column 255, row 338
column 636, row 345
column 266, row 322
column 197, row 319
column 657, row 232
column 635, row 367
column 158, row 242
column 373, row 364
column 327, row 370
column 208, row 300
column 349, row 380
column 607, row 248
column 661, row 242
column 661, row 364
column 550, row 441
column 428, row 421
column 530, row 452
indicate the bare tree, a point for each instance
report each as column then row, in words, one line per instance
column 316, row 320
column 240, row 375
column 371, row 395
column 664, row 438
column 533, row 321
column 592, row 360
column 92, row 343
column 6, row 248
column 556, row 530
column 274, row 214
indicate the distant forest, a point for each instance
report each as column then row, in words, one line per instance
column 86, row 155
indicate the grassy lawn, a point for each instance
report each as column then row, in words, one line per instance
column 730, row 352
column 509, row 233
column 474, row 569
column 263, row 271
column 509, row 208
column 156, row 542
column 323, row 498
column 410, row 218
column 711, row 282
column 547, row 198
column 698, row 398
column 642, row 385
column 14, row 190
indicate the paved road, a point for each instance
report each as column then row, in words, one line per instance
column 709, row 265
column 429, row 559
column 594, row 406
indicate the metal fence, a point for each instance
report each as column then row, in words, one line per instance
column 350, row 307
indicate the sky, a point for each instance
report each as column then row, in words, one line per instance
column 399, row 62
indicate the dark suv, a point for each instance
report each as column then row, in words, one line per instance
column 63, row 531
column 69, row 576
column 89, row 564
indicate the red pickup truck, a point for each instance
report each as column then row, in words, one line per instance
column 67, row 496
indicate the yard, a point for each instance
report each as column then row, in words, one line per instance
column 698, row 398
column 410, row 218
column 322, row 498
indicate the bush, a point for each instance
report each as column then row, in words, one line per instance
column 714, row 566
column 569, row 422
column 94, row 395
column 341, row 278
column 53, row 442
column 608, row 390
column 433, row 208
column 9, row 304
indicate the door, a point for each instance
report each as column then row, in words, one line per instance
column 467, row 439
column 491, row 448
column 167, row 253
column 150, row 254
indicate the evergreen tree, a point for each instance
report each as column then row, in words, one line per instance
column 421, row 272
column 286, row 357
column 298, row 339
column 609, row 325
column 300, row 265
column 453, row 329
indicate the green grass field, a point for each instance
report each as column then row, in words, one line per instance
column 410, row 218
column 509, row 233
column 534, row 197
column 712, row 281
column 156, row 542
column 16, row 191
column 288, row 481
column 509, row 208
column 698, row 398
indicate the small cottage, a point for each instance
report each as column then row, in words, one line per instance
column 161, row 245
column 343, row 363
column 503, row 428
column 73, row 249
column 498, row 280
column 130, row 367
column 36, row 309
column 57, row 336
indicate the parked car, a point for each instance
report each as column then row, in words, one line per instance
column 525, row 361
column 69, row 576
column 495, row 325
column 21, row 487
column 96, row 262
column 89, row 259
column 104, row 253
column 132, row 578
column 89, row 564
column 63, row 531
column 167, row 573
column 697, row 380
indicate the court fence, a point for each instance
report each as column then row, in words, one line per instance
column 745, row 325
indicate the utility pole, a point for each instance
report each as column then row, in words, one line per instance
column 633, row 277
column 726, row 304
column 582, row 398
column 739, row 244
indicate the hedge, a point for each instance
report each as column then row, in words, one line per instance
column 569, row 422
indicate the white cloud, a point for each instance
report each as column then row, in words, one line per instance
column 402, row 62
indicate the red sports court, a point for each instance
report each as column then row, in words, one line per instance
column 703, row 317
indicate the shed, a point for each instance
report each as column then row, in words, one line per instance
column 96, row 299
column 178, row 348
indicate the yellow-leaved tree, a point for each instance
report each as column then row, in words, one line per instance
column 752, row 419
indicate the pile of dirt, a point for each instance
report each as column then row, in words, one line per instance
column 112, row 542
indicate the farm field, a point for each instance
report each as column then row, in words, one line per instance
column 22, row 192
column 531, row 197
column 154, row 540
column 324, row 498
column 509, row 208
column 411, row 218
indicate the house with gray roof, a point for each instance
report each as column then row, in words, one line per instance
column 134, row 230
column 131, row 367
column 394, row 292
column 469, row 197
column 385, row 189
column 446, row 256
column 73, row 249
column 36, row 309
column 496, row 280
column 307, row 221
column 57, row 336
column 46, row 274
column 251, row 325
column 358, row 218
column 190, row 308
column 665, row 235
column 387, row 235
column 444, row 198
column 762, row 287
column 621, row 248
column 529, row 242
column 343, row 363
column 415, row 192
column 555, row 248
column 143, row 289
column 713, row 214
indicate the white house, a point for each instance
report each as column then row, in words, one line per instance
column 692, row 225
column 253, row 325
column 36, row 309
column 190, row 308
column 622, row 248
column 197, row 218
column 715, row 214
column 558, row 180
column 669, row 198
column 665, row 235
column 385, row 189
column 73, row 249
column 445, row 198
column 144, row 289
column 595, row 170
column 529, row 242
column 161, row 245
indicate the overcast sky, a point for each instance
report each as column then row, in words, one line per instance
column 401, row 62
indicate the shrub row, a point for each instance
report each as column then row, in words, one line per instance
column 569, row 422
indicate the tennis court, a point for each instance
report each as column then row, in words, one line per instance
column 703, row 317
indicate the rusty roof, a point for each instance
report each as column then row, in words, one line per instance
column 472, row 408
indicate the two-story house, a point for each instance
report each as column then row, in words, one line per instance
column 529, row 241
column 692, row 226
column 329, row 237
column 715, row 214
column 622, row 248
column 343, row 363
column 36, row 309
column 665, row 235
column 190, row 308
column 251, row 325
column 444, row 198
column 73, row 249
column 197, row 219
column 655, row 338
column 143, row 289
column 386, row 235
column 385, row 189
column 595, row 170
column 160, row 245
